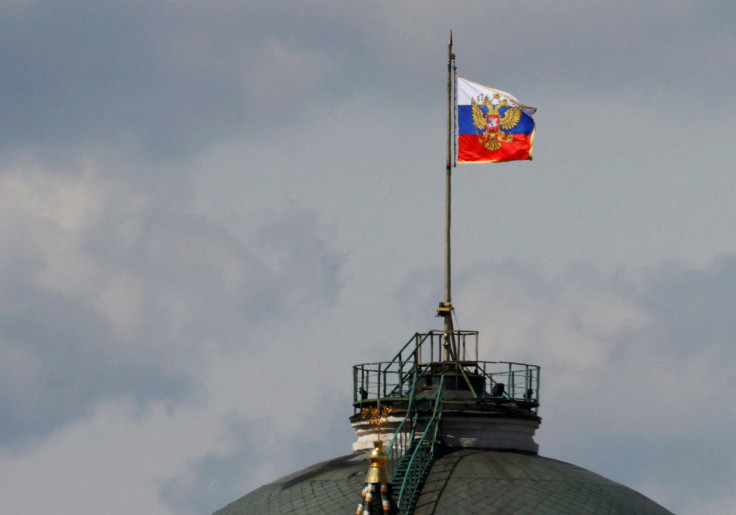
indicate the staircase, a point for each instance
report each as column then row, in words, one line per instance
column 412, row 468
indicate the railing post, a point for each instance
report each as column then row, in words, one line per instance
column 355, row 385
column 378, row 381
column 513, row 385
column 362, row 378
column 384, row 383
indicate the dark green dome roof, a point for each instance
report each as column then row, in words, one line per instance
column 459, row 436
column 460, row 481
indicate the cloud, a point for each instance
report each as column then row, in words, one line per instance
column 213, row 480
column 627, row 363
column 254, row 451
column 91, row 72
column 107, row 294
column 166, row 78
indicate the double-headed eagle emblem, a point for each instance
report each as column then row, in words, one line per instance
column 487, row 117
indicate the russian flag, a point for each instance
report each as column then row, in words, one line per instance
column 492, row 125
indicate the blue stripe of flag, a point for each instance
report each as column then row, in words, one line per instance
column 465, row 122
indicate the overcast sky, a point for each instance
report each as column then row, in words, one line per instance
column 210, row 210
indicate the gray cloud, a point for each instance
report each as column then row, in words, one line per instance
column 105, row 295
column 215, row 479
column 627, row 365
column 96, row 72
column 258, row 450
column 181, row 182
column 168, row 78
column 59, row 359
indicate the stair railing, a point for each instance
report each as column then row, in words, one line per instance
column 410, row 472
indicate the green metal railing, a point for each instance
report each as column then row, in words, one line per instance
column 521, row 381
column 393, row 380
column 411, row 469
column 405, row 432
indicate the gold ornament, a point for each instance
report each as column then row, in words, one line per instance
column 492, row 121
column 377, row 415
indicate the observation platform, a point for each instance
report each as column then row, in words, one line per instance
column 437, row 380
column 449, row 357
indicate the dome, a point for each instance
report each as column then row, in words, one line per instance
column 461, row 480
column 459, row 435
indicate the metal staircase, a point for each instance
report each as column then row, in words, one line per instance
column 424, row 432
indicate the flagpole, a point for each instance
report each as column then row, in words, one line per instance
column 447, row 311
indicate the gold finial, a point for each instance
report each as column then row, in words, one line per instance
column 378, row 471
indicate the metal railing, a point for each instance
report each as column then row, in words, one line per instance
column 393, row 380
column 411, row 468
column 447, row 346
column 386, row 379
column 520, row 380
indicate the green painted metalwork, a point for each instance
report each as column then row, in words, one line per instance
column 393, row 380
column 411, row 470
column 404, row 435
column 417, row 379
